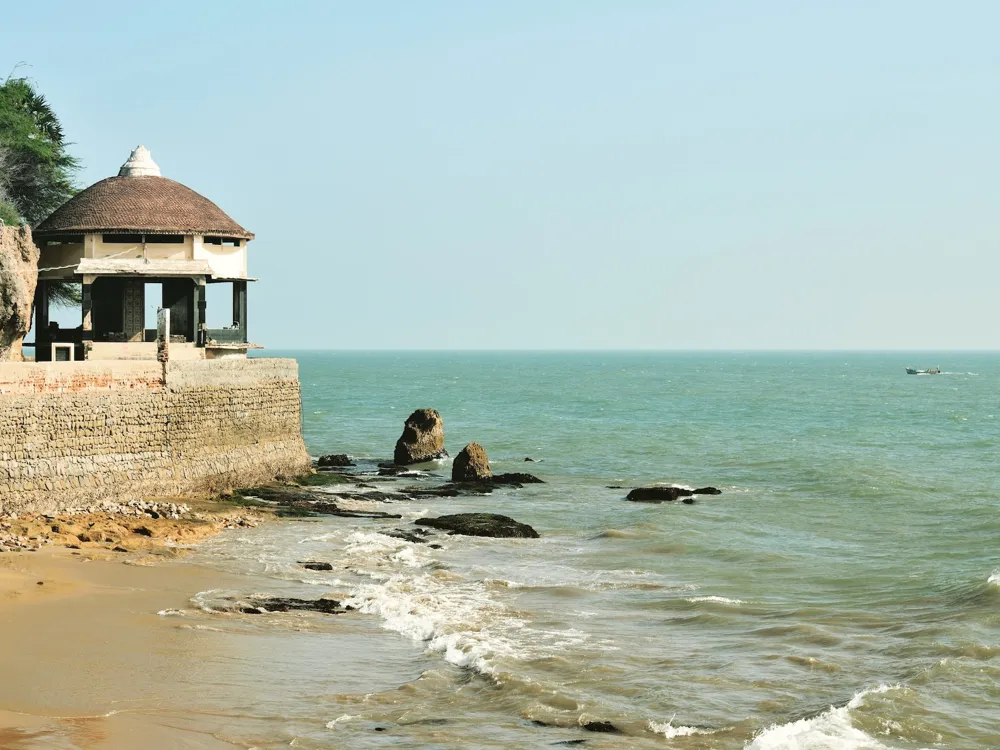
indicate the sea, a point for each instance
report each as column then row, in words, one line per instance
column 842, row 592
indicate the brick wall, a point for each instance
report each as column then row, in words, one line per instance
column 72, row 433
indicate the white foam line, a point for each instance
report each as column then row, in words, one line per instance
column 831, row 729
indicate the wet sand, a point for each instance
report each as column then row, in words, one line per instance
column 88, row 662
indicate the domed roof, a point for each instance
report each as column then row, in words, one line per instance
column 139, row 201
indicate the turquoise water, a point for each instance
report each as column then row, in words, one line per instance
column 842, row 592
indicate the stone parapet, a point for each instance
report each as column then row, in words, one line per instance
column 73, row 433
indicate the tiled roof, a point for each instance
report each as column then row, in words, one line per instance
column 140, row 205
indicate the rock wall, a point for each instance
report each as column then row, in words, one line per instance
column 18, row 277
column 72, row 433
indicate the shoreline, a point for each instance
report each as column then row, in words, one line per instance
column 90, row 584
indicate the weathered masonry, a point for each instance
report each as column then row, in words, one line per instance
column 72, row 433
column 127, row 239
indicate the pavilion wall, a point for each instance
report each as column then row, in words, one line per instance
column 75, row 433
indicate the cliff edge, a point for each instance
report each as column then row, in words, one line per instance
column 18, row 277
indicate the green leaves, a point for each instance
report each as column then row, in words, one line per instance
column 36, row 172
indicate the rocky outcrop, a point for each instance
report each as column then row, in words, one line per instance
column 18, row 278
column 335, row 460
column 422, row 439
column 471, row 465
column 480, row 524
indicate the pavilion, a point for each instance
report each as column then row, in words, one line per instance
column 124, row 236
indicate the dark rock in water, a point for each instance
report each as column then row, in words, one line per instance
column 445, row 491
column 283, row 604
column 313, row 565
column 335, row 459
column 435, row 546
column 657, row 494
column 516, row 477
column 617, row 487
column 471, row 464
column 708, row 491
column 688, row 501
column 417, row 537
column 377, row 496
column 529, row 459
column 323, row 508
column 601, row 726
column 480, row 524
column 569, row 743
column 422, row 438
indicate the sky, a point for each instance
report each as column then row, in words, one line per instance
column 564, row 174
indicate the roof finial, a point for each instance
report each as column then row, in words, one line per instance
column 140, row 164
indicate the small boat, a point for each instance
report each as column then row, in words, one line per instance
column 932, row 371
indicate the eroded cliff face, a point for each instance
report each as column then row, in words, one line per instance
column 18, row 277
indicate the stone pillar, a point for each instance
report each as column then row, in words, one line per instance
column 163, row 334
column 200, row 310
column 240, row 307
column 42, row 339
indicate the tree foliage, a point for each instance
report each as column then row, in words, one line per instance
column 36, row 171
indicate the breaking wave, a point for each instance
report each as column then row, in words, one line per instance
column 830, row 730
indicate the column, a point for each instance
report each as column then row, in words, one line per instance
column 240, row 307
column 42, row 340
column 87, row 308
column 200, row 309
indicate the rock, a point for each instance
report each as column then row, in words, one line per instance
column 417, row 537
column 657, row 494
column 471, row 464
column 313, row 565
column 335, row 459
column 18, row 278
column 480, row 524
column 422, row 439
column 688, row 501
column 516, row 477
column 601, row 726
column 529, row 459
column 708, row 491
column 285, row 604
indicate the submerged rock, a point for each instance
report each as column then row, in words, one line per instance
column 480, row 524
column 657, row 494
column 668, row 494
column 471, row 464
column 315, row 565
column 335, row 460
column 601, row 726
column 516, row 477
column 422, row 438
column 287, row 604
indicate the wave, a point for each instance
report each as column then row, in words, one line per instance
column 831, row 729
column 715, row 600
column 994, row 579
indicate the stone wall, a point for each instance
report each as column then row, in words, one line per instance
column 72, row 433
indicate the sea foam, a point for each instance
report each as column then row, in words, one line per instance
column 830, row 730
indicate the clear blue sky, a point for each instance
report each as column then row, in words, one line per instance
column 564, row 173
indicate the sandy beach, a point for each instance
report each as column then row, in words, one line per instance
column 89, row 663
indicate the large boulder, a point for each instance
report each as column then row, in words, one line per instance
column 18, row 278
column 422, row 439
column 480, row 524
column 471, row 465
